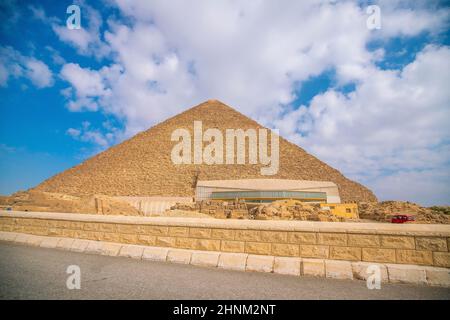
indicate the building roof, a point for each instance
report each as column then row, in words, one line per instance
column 267, row 184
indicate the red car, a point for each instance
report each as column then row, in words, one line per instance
column 402, row 218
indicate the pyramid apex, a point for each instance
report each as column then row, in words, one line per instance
column 210, row 101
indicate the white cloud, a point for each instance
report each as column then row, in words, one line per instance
column 254, row 55
column 393, row 126
column 86, row 133
column 14, row 65
column 39, row 73
column 74, row 133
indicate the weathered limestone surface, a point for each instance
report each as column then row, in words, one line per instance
column 142, row 166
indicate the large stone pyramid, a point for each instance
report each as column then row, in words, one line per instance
column 142, row 166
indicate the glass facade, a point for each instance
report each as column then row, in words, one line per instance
column 268, row 195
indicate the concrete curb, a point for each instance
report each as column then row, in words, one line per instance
column 334, row 269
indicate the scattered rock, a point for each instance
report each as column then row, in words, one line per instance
column 382, row 211
column 56, row 202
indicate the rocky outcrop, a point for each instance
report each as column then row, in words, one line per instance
column 217, row 209
column 292, row 210
column 382, row 211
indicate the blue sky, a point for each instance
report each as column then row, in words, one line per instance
column 372, row 103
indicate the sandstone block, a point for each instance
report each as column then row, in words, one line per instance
column 111, row 237
column 146, row 239
column 273, row 236
column 179, row 231
column 67, row 233
column 89, row 226
column 205, row 259
column 155, row 230
column 207, row 244
column 94, row 247
column 338, row 269
column 7, row 227
column 441, row 259
column 8, row 236
column 200, row 232
column 22, row 238
column 131, row 251
column 364, row 240
column 225, row 234
column 313, row 267
column 185, row 243
column 415, row 257
column 107, row 227
column 302, row 237
column 257, row 247
column 345, row 253
column 247, row 235
column 406, row 274
column 39, row 223
column 80, row 245
column 438, row 276
column 338, row 239
column 259, row 263
column 110, row 249
column 179, row 256
column 359, row 270
column 290, row 266
column 62, row 224
column 398, row 242
column 286, row 250
column 166, row 241
column 314, row 251
column 50, row 242
column 56, row 232
column 431, row 244
column 155, row 254
column 378, row 255
column 128, row 238
column 232, row 261
column 6, row 220
column 127, row 228
column 232, row 246
column 35, row 240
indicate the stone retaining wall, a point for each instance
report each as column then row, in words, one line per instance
column 371, row 242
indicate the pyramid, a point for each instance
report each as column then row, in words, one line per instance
column 142, row 165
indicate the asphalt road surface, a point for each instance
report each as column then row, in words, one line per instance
column 37, row 273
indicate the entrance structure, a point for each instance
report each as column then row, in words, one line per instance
column 268, row 190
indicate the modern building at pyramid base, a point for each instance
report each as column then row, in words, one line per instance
column 142, row 167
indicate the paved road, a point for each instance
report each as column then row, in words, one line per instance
column 37, row 273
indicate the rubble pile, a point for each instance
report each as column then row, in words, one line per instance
column 383, row 211
column 292, row 210
column 278, row 210
column 236, row 209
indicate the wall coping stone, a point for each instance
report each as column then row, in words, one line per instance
column 437, row 230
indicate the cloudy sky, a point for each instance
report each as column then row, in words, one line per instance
column 373, row 103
